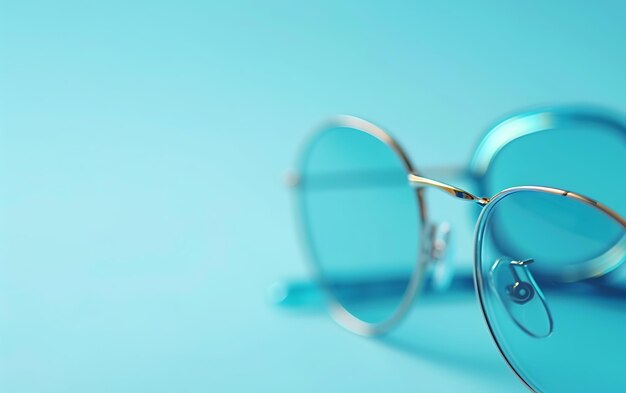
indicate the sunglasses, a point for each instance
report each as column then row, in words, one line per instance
column 547, row 261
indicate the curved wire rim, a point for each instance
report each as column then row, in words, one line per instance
column 531, row 121
column 339, row 313
column 354, row 324
column 478, row 240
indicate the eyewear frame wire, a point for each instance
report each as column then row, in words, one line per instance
column 502, row 134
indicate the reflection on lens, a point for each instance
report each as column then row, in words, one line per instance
column 563, row 221
column 572, row 151
column 361, row 220
column 543, row 259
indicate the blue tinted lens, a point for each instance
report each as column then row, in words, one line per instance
column 544, row 292
column 361, row 220
column 573, row 151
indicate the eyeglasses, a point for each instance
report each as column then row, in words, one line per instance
column 547, row 260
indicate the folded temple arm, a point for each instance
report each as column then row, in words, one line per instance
column 308, row 293
column 297, row 293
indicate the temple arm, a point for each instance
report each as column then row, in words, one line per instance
column 299, row 293
column 308, row 293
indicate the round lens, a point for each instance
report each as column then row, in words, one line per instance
column 569, row 149
column 560, row 332
column 362, row 220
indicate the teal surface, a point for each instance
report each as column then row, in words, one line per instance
column 142, row 150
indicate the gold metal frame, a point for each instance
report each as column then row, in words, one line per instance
column 339, row 313
column 478, row 239
column 420, row 182
column 349, row 321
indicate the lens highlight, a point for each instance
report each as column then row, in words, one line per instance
column 580, row 151
column 361, row 220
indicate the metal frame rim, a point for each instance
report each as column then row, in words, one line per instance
column 478, row 239
column 338, row 312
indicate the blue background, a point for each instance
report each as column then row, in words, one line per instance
column 142, row 150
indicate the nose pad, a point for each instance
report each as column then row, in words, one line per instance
column 517, row 290
column 441, row 265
